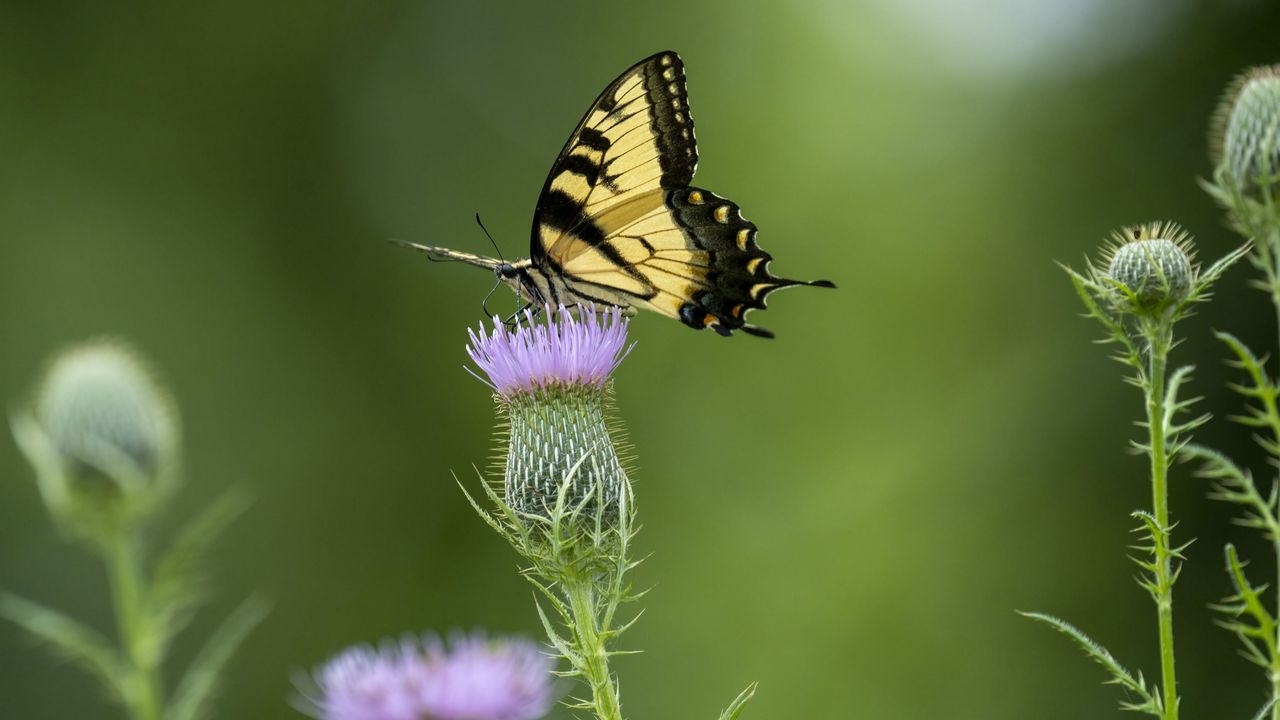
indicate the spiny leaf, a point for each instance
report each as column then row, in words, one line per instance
column 1262, row 389
column 484, row 514
column 735, row 708
column 1236, row 485
column 1119, row 675
column 561, row 645
column 1215, row 271
column 192, row 698
column 1090, row 291
column 83, row 645
column 177, row 585
column 1248, row 601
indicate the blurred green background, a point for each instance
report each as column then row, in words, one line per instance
column 848, row 514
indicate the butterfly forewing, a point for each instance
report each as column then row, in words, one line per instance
column 636, row 138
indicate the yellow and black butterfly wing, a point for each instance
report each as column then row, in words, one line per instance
column 636, row 138
column 617, row 223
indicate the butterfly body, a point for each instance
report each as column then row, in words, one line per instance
column 617, row 223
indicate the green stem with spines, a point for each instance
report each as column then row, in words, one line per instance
column 145, row 696
column 580, row 592
column 1159, row 333
column 1271, row 264
column 1274, row 670
column 1265, row 236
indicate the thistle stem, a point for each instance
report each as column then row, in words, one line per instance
column 1273, row 268
column 590, row 644
column 143, row 697
column 1274, row 670
column 1159, row 338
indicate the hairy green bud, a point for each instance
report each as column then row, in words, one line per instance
column 97, row 399
column 1154, row 265
column 1245, row 140
column 102, row 436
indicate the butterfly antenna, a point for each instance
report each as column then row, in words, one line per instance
column 491, row 240
column 484, row 304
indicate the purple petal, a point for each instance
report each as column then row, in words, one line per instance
column 473, row 678
column 563, row 349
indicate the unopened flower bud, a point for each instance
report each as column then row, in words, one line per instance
column 1246, row 130
column 1154, row 263
column 97, row 400
column 102, row 436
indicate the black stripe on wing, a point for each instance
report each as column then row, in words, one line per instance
column 738, row 273
column 670, row 130
column 669, row 118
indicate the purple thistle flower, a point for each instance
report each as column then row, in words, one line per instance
column 565, row 350
column 474, row 678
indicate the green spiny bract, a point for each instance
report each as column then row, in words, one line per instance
column 558, row 433
column 1153, row 265
column 1245, row 140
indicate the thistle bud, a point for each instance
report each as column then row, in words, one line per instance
column 1246, row 130
column 102, row 436
column 1154, row 264
column 551, row 381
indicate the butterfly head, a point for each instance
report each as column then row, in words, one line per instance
column 520, row 277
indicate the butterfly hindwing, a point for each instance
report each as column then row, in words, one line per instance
column 737, row 278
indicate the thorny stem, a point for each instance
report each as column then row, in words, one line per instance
column 1159, row 337
column 1266, row 240
column 590, row 643
column 1272, row 270
column 143, row 695
column 1274, row 670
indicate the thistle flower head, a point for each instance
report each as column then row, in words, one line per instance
column 564, row 351
column 551, row 378
column 1245, row 138
column 101, row 434
column 1154, row 265
column 473, row 678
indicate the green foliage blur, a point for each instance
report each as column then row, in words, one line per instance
column 849, row 514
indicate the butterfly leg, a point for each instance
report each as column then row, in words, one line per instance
column 514, row 319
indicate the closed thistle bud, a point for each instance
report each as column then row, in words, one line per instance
column 102, row 436
column 551, row 381
column 1245, row 140
column 1155, row 265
